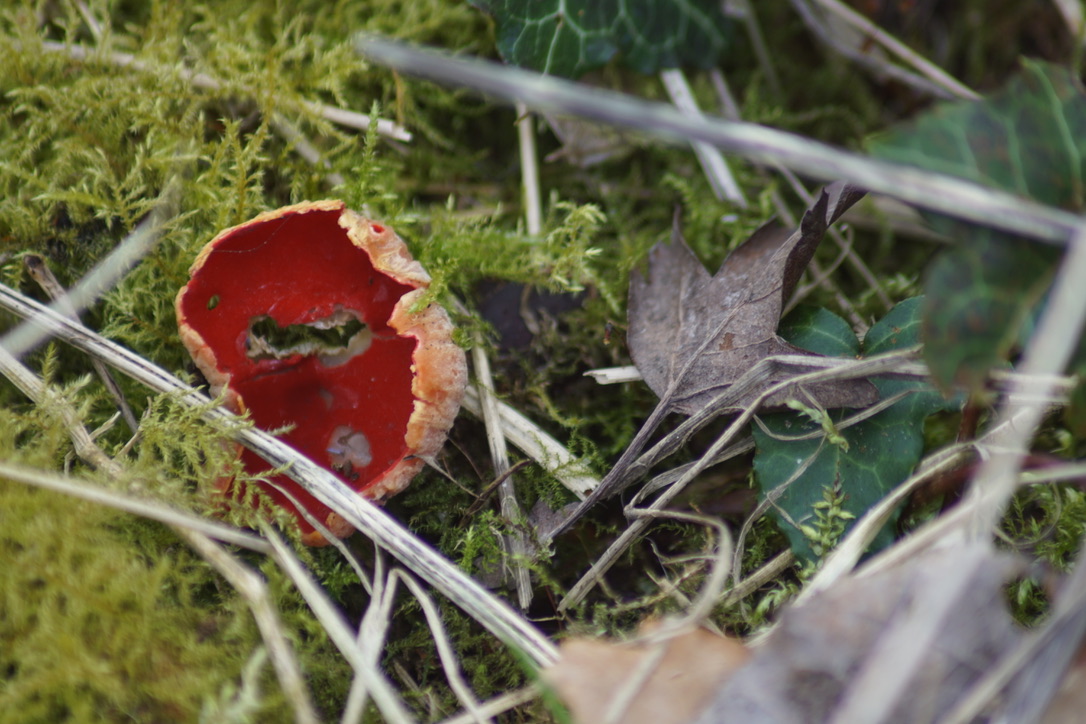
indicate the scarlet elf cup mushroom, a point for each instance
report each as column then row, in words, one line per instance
column 304, row 317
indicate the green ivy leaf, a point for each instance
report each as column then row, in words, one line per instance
column 877, row 454
column 1029, row 139
column 1074, row 414
column 571, row 37
column 981, row 297
column 819, row 330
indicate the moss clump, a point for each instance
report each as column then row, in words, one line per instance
column 93, row 631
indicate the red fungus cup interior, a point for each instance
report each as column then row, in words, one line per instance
column 304, row 316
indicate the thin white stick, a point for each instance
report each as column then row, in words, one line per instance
column 615, row 375
column 712, row 161
column 1071, row 10
column 516, row 543
column 1055, row 474
column 618, row 706
column 445, row 650
column 854, row 49
column 251, row 586
column 872, row 31
column 1060, row 386
column 743, row 10
column 305, row 149
column 151, row 510
column 529, row 170
column 343, row 117
column 937, row 192
column 372, row 633
column 341, row 635
column 768, row 572
column 93, row 25
column 537, row 444
column 497, row 705
column 104, row 276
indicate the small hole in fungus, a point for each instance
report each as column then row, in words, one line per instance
column 335, row 339
column 213, row 302
column 348, row 450
column 377, row 228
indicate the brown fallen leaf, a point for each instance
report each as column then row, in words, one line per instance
column 865, row 649
column 1044, row 679
column 692, row 335
column 651, row 682
column 1070, row 701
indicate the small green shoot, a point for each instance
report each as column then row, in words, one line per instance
column 822, row 418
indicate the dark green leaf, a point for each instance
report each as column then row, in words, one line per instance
column 1074, row 415
column 900, row 328
column 981, row 296
column 571, row 37
column 820, row 331
column 881, row 450
column 1029, row 139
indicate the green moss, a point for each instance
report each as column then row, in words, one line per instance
column 109, row 617
column 92, row 630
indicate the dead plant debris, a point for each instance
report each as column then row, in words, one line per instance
column 692, row 335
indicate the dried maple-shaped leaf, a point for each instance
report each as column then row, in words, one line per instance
column 692, row 335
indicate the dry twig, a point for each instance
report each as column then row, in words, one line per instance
column 516, row 542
